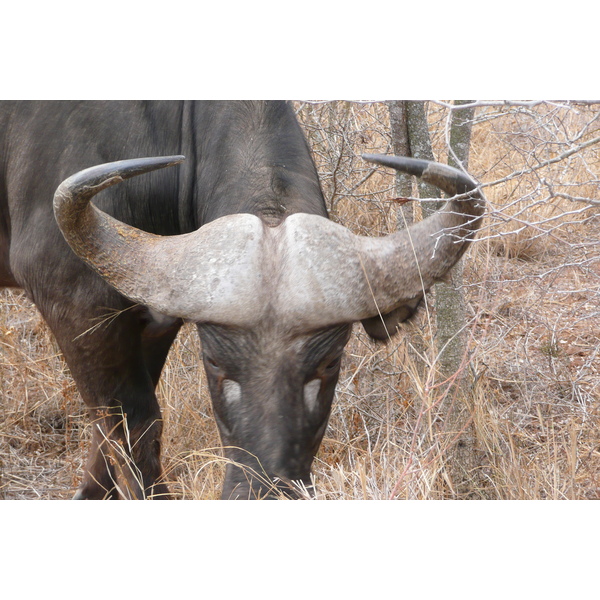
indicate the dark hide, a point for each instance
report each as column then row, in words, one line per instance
column 241, row 157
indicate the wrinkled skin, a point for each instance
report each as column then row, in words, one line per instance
column 272, row 392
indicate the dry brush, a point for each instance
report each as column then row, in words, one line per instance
column 532, row 287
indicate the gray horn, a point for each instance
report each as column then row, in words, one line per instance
column 424, row 253
column 209, row 274
column 308, row 271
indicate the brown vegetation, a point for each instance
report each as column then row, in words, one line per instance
column 532, row 284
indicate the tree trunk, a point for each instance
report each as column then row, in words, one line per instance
column 410, row 132
column 463, row 457
column 401, row 147
column 449, row 297
column 420, row 147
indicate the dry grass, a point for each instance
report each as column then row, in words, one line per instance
column 532, row 290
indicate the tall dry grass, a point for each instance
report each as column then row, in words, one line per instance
column 531, row 285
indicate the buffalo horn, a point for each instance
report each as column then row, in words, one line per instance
column 210, row 273
column 308, row 270
column 402, row 265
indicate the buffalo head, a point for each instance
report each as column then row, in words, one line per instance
column 274, row 305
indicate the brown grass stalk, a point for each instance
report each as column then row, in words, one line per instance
column 532, row 288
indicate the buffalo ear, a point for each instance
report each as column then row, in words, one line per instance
column 382, row 327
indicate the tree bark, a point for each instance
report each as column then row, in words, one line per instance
column 401, row 147
column 463, row 457
column 449, row 297
column 410, row 137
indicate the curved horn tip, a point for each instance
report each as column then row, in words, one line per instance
column 447, row 178
column 83, row 185
column 137, row 166
column 104, row 175
column 411, row 166
column 374, row 158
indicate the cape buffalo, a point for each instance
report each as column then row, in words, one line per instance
column 235, row 239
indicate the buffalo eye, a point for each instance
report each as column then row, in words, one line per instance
column 332, row 366
column 212, row 364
